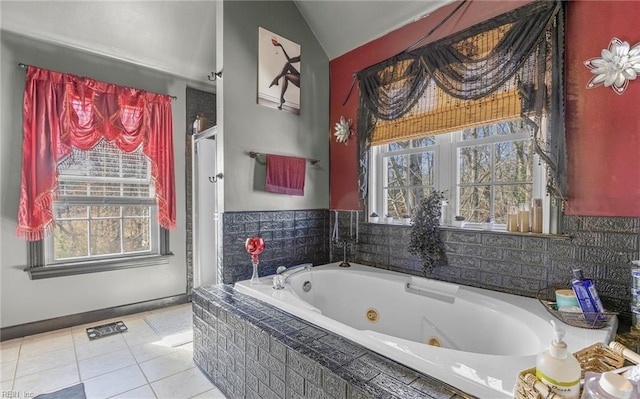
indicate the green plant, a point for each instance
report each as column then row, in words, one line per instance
column 425, row 234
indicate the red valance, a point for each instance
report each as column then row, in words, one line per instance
column 62, row 111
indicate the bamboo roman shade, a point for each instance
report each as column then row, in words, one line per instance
column 502, row 69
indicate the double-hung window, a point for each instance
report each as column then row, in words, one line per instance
column 98, row 181
column 105, row 208
column 482, row 170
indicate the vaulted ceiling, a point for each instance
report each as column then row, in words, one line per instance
column 178, row 37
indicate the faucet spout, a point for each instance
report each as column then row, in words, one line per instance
column 283, row 274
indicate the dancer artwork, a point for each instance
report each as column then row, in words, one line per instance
column 278, row 72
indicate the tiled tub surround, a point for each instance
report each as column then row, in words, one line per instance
column 292, row 237
column 517, row 263
column 494, row 335
column 250, row 349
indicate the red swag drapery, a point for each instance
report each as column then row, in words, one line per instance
column 62, row 111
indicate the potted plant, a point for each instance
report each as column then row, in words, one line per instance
column 425, row 235
column 373, row 218
column 406, row 219
column 388, row 218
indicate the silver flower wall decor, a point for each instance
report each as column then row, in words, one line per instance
column 343, row 130
column 619, row 64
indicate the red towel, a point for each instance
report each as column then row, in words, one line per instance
column 285, row 175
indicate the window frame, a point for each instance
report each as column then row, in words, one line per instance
column 38, row 269
column 379, row 175
column 154, row 229
column 447, row 171
column 41, row 262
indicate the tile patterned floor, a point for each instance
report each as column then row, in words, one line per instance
column 134, row 364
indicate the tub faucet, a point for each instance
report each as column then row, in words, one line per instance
column 281, row 277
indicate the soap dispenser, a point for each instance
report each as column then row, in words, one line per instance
column 557, row 368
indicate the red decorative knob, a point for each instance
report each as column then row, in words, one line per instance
column 255, row 246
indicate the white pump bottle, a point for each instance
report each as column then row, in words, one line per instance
column 558, row 368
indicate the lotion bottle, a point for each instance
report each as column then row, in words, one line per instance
column 557, row 368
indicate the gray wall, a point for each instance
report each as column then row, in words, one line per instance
column 23, row 300
column 247, row 126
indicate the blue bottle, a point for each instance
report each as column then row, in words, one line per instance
column 586, row 293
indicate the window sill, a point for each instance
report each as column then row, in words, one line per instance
column 478, row 229
column 71, row 269
column 502, row 231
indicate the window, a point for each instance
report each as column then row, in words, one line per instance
column 483, row 170
column 105, row 207
column 104, row 216
column 103, row 201
column 409, row 168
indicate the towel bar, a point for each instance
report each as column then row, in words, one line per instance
column 254, row 154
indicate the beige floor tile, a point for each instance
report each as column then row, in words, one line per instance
column 47, row 335
column 140, row 333
column 114, row 383
column 144, row 392
column 151, row 350
column 8, row 370
column 6, row 385
column 47, row 381
column 182, row 385
column 106, row 363
column 167, row 365
column 46, row 343
column 186, row 347
column 100, row 346
column 210, row 394
column 10, row 342
column 45, row 361
column 9, row 353
column 54, row 360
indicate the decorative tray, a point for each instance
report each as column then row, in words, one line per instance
column 546, row 296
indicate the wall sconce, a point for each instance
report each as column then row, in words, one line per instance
column 343, row 130
column 619, row 64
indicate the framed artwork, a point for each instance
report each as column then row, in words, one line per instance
column 278, row 72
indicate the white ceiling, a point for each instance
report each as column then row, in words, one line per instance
column 178, row 37
column 341, row 26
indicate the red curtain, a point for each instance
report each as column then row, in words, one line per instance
column 62, row 111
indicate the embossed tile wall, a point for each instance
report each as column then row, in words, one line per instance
column 252, row 350
column 519, row 264
column 292, row 237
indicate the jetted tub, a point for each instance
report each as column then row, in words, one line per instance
column 486, row 338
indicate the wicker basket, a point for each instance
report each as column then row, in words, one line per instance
column 546, row 296
column 597, row 358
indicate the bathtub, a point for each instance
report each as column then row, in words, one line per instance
column 473, row 339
